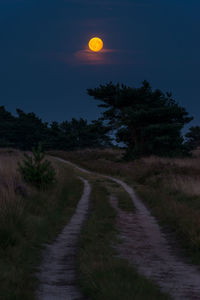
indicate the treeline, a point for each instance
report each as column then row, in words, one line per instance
column 146, row 121
column 26, row 131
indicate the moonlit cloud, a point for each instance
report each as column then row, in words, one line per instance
column 89, row 57
column 104, row 57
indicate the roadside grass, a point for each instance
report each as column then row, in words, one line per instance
column 103, row 275
column 11, row 183
column 178, row 214
column 27, row 223
column 170, row 187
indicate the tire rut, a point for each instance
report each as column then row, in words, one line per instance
column 57, row 274
column 146, row 247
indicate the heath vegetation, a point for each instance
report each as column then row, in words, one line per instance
column 29, row 218
column 169, row 187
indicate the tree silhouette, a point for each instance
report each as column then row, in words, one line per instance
column 193, row 137
column 26, row 131
column 147, row 122
column 7, row 125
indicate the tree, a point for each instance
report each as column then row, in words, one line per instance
column 80, row 134
column 37, row 171
column 193, row 137
column 7, row 125
column 55, row 138
column 147, row 122
column 29, row 130
column 99, row 135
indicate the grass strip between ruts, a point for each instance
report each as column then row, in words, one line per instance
column 102, row 275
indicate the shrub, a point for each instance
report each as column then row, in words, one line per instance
column 37, row 171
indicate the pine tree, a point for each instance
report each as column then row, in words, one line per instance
column 36, row 171
column 147, row 122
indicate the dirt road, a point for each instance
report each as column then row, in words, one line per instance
column 146, row 246
column 57, row 274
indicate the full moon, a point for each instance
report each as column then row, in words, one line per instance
column 95, row 44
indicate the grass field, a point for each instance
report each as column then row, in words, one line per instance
column 169, row 187
column 31, row 218
column 28, row 219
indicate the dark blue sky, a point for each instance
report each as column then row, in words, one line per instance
column 44, row 65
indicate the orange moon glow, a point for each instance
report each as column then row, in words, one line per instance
column 95, row 44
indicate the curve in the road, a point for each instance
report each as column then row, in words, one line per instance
column 146, row 246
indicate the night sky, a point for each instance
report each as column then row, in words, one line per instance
column 45, row 66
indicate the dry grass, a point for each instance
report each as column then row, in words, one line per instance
column 28, row 221
column 186, row 184
column 10, row 179
column 12, row 186
column 179, row 174
column 196, row 152
column 169, row 186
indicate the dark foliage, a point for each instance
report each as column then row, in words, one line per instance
column 26, row 131
column 147, row 122
column 7, row 125
column 193, row 138
column 37, row 171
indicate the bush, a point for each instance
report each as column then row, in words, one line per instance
column 36, row 171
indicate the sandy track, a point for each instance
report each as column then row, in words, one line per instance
column 57, row 274
column 146, row 246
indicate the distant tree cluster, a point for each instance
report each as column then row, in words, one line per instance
column 146, row 121
column 26, row 131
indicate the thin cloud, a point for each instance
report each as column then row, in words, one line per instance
column 103, row 57
column 88, row 57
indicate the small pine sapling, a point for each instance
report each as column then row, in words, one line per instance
column 37, row 171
